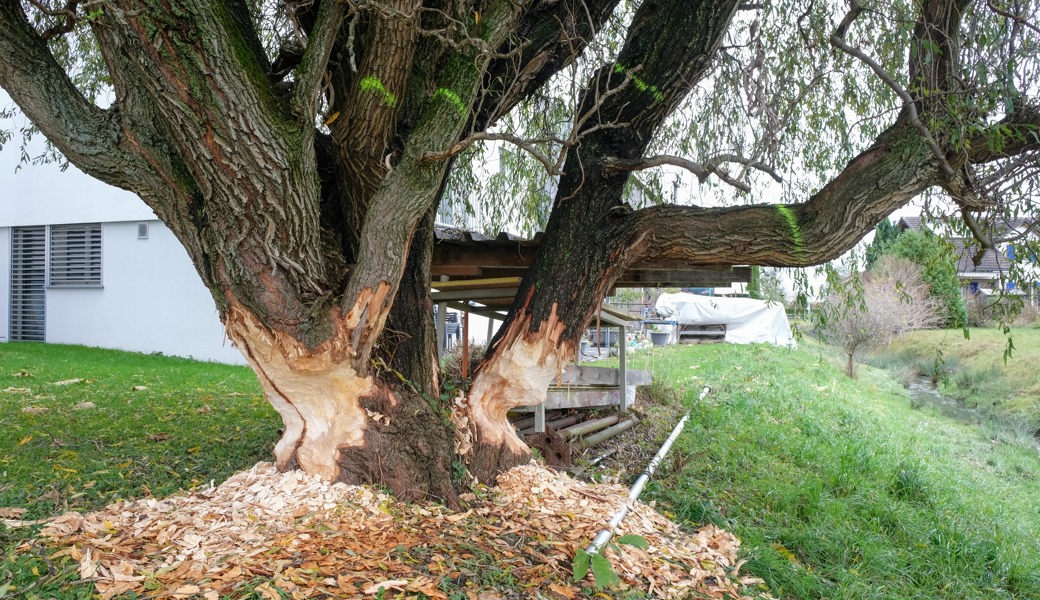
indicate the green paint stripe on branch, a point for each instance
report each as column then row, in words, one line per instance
column 640, row 83
column 792, row 224
column 373, row 85
column 453, row 98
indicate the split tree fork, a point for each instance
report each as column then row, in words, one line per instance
column 302, row 181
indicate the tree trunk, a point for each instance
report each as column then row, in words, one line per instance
column 345, row 426
column 586, row 245
column 517, row 372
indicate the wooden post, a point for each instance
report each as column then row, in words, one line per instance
column 622, row 379
column 465, row 344
column 539, row 418
column 441, row 324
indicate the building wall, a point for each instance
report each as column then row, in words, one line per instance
column 5, row 283
column 152, row 300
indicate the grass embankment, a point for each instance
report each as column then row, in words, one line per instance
column 973, row 369
column 839, row 489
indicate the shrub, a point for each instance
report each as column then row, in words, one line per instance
column 869, row 311
column 938, row 262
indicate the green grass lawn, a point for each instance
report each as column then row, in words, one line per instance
column 838, row 488
column 84, row 427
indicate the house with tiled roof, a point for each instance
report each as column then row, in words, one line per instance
column 984, row 270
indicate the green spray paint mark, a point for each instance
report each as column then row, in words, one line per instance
column 792, row 224
column 453, row 98
column 372, row 85
column 640, row 83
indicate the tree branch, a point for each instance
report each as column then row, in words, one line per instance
column 837, row 40
column 86, row 134
column 700, row 170
column 527, row 145
column 875, row 183
column 311, row 70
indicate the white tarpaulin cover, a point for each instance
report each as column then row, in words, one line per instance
column 747, row 321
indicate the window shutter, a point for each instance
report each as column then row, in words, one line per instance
column 76, row 255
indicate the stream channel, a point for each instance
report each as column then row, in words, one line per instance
column 923, row 393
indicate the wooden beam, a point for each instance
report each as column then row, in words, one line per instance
column 493, row 283
column 474, row 295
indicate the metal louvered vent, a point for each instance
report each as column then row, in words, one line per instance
column 28, row 277
column 76, row 255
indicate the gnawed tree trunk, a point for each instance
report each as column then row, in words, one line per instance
column 313, row 231
column 585, row 246
column 385, row 424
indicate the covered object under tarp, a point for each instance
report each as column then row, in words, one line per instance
column 747, row 321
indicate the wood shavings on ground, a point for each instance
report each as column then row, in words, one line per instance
column 279, row 535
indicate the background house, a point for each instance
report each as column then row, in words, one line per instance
column 82, row 262
column 985, row 271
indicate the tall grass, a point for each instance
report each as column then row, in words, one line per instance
column 840, row 490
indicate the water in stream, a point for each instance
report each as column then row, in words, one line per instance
column 923, row 393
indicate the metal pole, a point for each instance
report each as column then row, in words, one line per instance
column 604, row 536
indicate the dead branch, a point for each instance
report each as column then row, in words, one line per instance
column 702, row 171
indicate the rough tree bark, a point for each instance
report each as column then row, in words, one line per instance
column 306, row 202
column 315, row 245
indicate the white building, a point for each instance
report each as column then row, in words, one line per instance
column 84, row 263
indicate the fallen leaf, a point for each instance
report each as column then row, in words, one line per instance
column 17, row 390
column 35, row 410
column 22, row 373
column 11, row 513
column 88, row 567
column 185, row 591
column 268, row 591
column 69, row 381
column 397, row 584
column 84, row 406
column 159, row 437
column 205, row 409
column 139, row 388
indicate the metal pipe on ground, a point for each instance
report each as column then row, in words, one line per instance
column 602, row 436
column 588, row 427
column 563, row 422
column 524, row 423
column 604, row 536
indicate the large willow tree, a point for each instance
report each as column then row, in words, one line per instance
column 299, row 151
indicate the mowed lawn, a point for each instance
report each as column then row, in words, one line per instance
column 83, row 427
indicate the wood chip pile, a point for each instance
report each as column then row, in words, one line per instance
column 292, row 533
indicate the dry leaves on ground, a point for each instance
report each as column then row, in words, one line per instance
column 300, row 537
